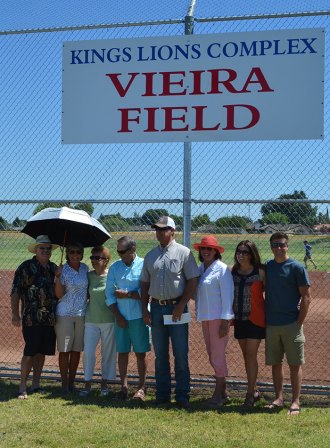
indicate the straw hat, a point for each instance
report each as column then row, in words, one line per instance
column 41, row 239
column 209, row 241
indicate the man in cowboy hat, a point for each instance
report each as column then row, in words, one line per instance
column 169, row 279
column 34, row 285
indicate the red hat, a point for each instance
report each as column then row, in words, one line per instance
column 209, row 241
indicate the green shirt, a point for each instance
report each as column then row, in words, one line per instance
column 97, row 310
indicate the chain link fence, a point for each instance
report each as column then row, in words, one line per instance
column 239, row 190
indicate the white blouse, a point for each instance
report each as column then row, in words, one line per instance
column 74, row 301
column 215, row 292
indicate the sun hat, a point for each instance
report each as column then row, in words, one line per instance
column 209, row 241
column 164, row 221
column 41, row 239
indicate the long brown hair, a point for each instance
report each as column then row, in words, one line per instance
column 255, row 257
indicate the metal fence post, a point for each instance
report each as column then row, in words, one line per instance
column 189, row 29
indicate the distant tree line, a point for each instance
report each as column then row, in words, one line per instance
column 271, row 213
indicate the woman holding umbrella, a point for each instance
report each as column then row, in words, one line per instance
column 71, row 290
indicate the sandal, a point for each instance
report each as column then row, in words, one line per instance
column 22, row 395
column 139, row 395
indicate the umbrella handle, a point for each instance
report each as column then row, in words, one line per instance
column 63, row 246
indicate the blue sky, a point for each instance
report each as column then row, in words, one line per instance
column 36, row 166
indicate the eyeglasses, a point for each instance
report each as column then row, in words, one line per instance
column 75, row 252
column 123, row 252
column 243, row 252
column 162, row 229
column 276, row 245
column 45, row 247
column 97, row 258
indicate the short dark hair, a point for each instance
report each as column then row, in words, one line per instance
column 74, row 245
column 130, row 243
column 279, row 236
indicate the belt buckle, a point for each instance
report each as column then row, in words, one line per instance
column 162, row 302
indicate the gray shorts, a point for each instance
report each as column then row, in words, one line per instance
column 285, row 339
column 70, row 333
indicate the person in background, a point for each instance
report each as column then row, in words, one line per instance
column 308, row 254
column 286, row 303
column 214, row 308
column 71, row 290
column 169, row 278
column 123, row 298
column 33, row 286
column 249, row 310
column 99, row 324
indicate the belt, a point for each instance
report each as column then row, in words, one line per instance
column 166, row 301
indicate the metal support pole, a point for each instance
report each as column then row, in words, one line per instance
column 189, row 29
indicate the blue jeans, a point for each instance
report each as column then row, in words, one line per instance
column 161, row 335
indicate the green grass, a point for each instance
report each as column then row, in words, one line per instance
column 52, row 421
column 13, row 247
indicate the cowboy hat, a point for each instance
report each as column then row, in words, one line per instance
column 41, row 239
column 209, row 241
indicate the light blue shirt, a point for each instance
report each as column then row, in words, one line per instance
column 121, row 276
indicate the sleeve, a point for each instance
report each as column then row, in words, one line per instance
column 145, row 275
column 227, row 294
column 302, row 277
column 190, row 268
column 110, row 297
column 17, row 282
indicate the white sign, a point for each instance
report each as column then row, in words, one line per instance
column 234, row 86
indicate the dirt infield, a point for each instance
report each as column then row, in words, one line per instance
column 317, row 331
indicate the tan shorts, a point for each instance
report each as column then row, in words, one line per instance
column 70, row 333
column 285, row 339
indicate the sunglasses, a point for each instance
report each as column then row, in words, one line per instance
column 75, row 252
column 276, row 245
column 123, row 252
column 242, row 252
column 97, row 258
column 162, row 229
column 45, row 247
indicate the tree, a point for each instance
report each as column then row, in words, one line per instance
column 3, row 223
column 151, row 215
column 178, row 220
column 114, row 222
column 18, row 222
column 297, row 213
column 274, row 218
column 323, row 218
column 200, row 220
column 233, row 222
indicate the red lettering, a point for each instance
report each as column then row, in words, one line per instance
column 200, row 119
column 256, row 71
column 197, row 77
column 149, row 83
column 169, row 118
column 227, row 83
column 255, row 116
column 167, row 83
column 151, row 112
column 125, row 118
column 118, row 85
